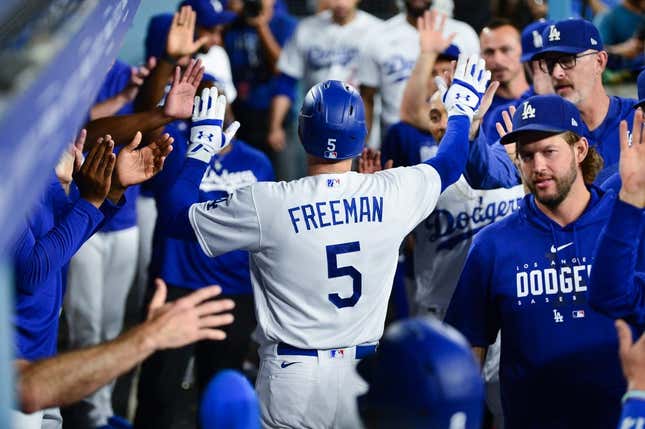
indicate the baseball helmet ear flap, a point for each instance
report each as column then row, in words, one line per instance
column 331, row 123
column 423, row 375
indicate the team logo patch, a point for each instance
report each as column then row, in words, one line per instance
column 331, row 154
column 554, row 34
column 578, row 314
column 337, row 353
column 528, row 112
column 557, row 316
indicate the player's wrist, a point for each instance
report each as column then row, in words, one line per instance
column 636, row 199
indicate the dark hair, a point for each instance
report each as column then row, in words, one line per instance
column 496, row 23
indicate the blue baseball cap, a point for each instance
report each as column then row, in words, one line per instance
column 210, row 12
column 571, row 36
column 450, row 53
column 544, row 115
column 640, row 83
column 532, row 41
column 229, row 402
column 157, row 35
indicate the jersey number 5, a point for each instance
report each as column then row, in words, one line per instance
column 333, row 271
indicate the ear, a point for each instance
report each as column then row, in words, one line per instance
column 581, row 149
column 601, row 60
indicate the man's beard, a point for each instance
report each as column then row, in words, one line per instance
column 562, row 185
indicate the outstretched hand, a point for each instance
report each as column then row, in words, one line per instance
column 181, row 35
column 94, row 178
column 188, row 319
column 206, row 135
column 632, row 162
column 370, row 161
column 632, row 356
column 467, row 88
column 134, row 166
column 179, row 102
column 431, row 37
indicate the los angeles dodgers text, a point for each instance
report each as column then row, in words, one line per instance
column 324, row 214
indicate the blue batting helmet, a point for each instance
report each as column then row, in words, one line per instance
column 229, row 402
column 423, row 375
column 331, row 123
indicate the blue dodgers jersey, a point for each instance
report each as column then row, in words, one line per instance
column 528, row 276
column 252, row 75
column 407, row 145
column 606, row 138
column 183, row 263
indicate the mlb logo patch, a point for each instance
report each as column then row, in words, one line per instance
column 329, row 154
column 578, row 314
column 337, row 353
column 333, row 182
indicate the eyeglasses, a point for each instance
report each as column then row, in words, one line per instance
column 567, row 62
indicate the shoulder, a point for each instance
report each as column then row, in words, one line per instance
column 626, row 105
column 500, row 233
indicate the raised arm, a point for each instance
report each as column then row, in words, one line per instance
column 179, row 105
column 206, row 139
column 414, row 104
column 616, row 288
column 461, row 101
column 36, row 258
column 68, row 377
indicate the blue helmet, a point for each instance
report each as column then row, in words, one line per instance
column 229, row 401
column 423, row 375
column 331, row 123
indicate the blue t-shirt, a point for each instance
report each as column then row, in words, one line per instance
column 253, row 77
column 407, row 145
column 528, row 276
column 183, row 263
column 115, row 81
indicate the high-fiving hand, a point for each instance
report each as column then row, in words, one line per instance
column 468, row 87
column 632, row 162
column 206, row 136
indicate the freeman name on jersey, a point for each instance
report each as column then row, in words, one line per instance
column 324, row 214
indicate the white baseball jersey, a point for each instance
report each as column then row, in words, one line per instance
column 323, row 249
column 443, row 239
column 391, row 53
column 321, row 49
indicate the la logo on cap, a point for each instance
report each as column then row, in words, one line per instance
column 574, row 122
column 537, row 39
column 593, row 41
column 554, row 34
column 528, row 112
column 217, row 5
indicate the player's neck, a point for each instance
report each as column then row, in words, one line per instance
column 572, row 207
column 343, row 20
column 514, row 88
column 594, row 110
column 316, row 166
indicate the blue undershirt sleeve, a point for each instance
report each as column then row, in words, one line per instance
column 175, row 203
column 35, row 259
column 489, row 166
column 451, row 156
column 616, row 288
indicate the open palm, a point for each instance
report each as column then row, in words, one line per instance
column 136, row 166
column 179, row 102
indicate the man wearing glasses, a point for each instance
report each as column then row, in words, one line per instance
column 574, row 56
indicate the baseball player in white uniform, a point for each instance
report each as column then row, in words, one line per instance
column 390, row 55
column 325, row 46
column 323, row 248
